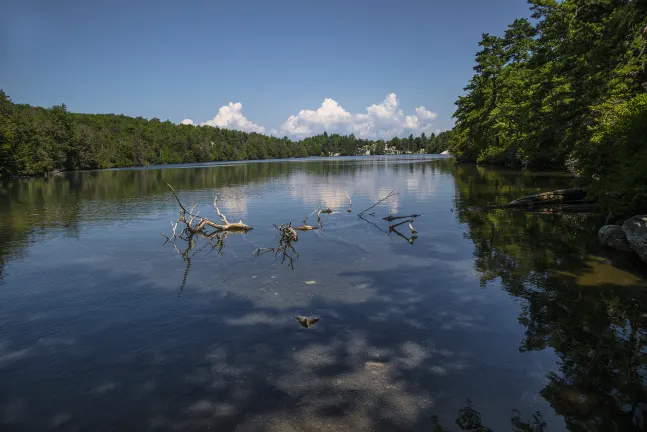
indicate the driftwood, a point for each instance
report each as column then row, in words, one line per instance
column 305, row 226
column 561, row 196
column 380, row 201
column 191, row 227
column 563, row 200
column 391, row 218
column 410, row 240
column 195, row 227
column 578, row 207
column 285, row 247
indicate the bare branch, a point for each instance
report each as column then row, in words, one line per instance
column 176, row 198
column 383, row 199
column 305, row 221
column 413, row 230
column 215, row 204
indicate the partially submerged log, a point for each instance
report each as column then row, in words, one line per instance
column 391, row 218
column 561, row 196
column 563, row 200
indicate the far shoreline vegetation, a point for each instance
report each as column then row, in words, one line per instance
column 39, row 141
column 565, row 90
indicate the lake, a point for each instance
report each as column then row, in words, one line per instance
column 507, row 320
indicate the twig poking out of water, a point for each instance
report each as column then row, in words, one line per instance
column 306, row 322
column 380, row 201
column 413, row 230
column 285, row 247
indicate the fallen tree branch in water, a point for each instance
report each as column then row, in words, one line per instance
column 196, row 227
column 391, row 218
column 191, row 227
column 410, row 240
column 391, row 227
column 305, row 226
column 285, row 247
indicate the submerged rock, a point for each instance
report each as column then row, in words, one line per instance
column 613, row 236
column 636, row 231
column 306, row 322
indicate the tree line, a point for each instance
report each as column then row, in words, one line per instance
column 565, row 89
column 35, row 140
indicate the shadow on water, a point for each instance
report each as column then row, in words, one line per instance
column 405, row 356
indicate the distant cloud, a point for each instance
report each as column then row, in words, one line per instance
column 384, row 120
column 231, row 117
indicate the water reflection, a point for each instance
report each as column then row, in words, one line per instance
column 405, row 332
column 596, row 324
column 470, row 420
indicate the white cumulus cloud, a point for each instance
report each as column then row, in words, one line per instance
column 384, row 120
column 187, row 122
column 231, row 117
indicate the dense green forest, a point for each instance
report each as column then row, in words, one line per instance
column 564, row 89
column 36, row 140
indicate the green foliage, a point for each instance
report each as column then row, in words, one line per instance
column 616, row 155
column 539, row 92
column 36, row 141
column 439, row 143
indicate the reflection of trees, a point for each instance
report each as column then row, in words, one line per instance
column 594, row 322
column 470, row 420
column 62, row 202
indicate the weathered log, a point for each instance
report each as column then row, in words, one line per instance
column 561, row 196
column 305, row 228
column 578, row 207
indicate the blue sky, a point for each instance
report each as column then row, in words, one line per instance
column 377, row 62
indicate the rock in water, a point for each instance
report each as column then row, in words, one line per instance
column 306, row 322
column 636, row 232
column 614, row 237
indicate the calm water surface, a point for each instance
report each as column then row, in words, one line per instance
column 503, row 320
